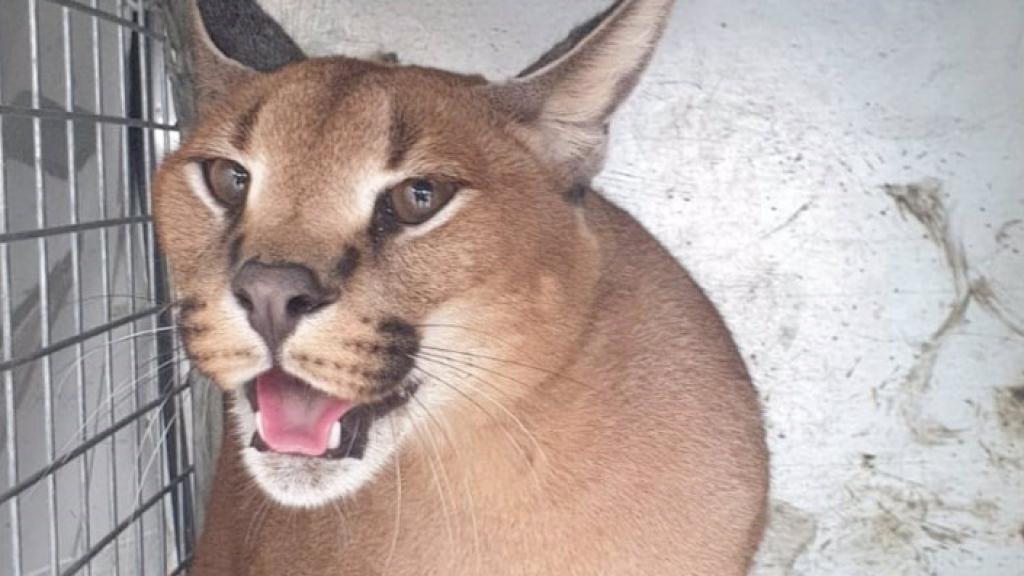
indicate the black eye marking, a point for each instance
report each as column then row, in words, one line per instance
column 385, row 223
column 348, row 263
column 577, row 194
column 235, row 250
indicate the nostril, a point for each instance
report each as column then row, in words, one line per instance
column 244, row 301
column 300, row 305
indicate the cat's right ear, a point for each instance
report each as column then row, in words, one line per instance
column 231, row 42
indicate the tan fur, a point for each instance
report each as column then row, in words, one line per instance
column 584, row 410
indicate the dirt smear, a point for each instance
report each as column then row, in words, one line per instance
column 906, row 522
column 791, row 531
column 1010, row 411
column 923, row 201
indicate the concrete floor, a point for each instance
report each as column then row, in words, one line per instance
column 844, row 178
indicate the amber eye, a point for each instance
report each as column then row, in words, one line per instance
column 227, row 181
column 415, row 201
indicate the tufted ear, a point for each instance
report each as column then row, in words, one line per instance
column 566, row 98
column 233, row 40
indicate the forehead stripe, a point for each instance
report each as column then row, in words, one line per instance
column 402, row 136
column 244, row 128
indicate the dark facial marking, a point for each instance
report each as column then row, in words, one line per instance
column 235, row 251
column 246, row 123
column 384, row 223
column 577, row 194
column 401, row 343
column 348, row 263
column 402, row 136
column 189, row 306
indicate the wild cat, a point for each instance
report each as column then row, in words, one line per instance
column 443, row 351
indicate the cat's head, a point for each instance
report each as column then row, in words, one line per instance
column 363, row 249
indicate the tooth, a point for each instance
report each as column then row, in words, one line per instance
column 334, row 442
column 259, row 425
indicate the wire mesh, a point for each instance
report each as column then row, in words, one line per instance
column 96, row 473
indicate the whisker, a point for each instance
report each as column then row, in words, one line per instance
column 119, row 394
column 490, row 386
column 62, row 379
column 477, row 331
column 125, row 296
column 463, row 365
column 107, row 402
column 437, row 483
column 343, row 533
column 141, row 480
column 502, row 360
column 515, row 443
column 398, row 505
column 256, row 522
column 467, row 490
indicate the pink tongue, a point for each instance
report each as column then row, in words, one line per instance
column 296, row 418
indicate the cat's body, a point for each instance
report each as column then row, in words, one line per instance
column 538, row 387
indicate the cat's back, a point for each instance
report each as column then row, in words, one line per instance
column 683, row 409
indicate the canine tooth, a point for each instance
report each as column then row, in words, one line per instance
column 334, row 442
column 259, row 424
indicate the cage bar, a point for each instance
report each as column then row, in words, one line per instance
column 85, row 231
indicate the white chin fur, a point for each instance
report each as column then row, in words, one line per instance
column 303, row 482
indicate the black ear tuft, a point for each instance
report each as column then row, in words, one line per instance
column 243, row 32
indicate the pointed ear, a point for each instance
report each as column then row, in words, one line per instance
column 565, row 99
column 232, row 41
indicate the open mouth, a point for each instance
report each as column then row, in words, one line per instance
column 294, row 418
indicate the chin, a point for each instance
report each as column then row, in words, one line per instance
column 371, row 440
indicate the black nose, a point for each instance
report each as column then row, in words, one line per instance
column 277, row 296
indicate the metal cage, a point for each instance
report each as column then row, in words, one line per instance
column 96, row 463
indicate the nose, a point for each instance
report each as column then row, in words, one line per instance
column 277, row 296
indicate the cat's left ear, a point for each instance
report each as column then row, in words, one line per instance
column 232, row 41
column 564, row 101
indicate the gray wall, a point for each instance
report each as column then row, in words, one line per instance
column 845, row 180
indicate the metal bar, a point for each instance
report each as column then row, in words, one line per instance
column 141, row 83
column 70, row 455
column 44, row 288
column 73, row 228
column 7, row 333
column 72, row 340
column 135, row 515
column 93, row 11
column 101, row 186
column 145, row 109
column 180, row 507
column 184, row 565
column 76, row 274
column 177, row 508
column 53, row 114
column 126, row 83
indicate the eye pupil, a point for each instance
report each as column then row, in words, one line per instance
column 417, row 200
column 422, row 194
column 240, row 177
